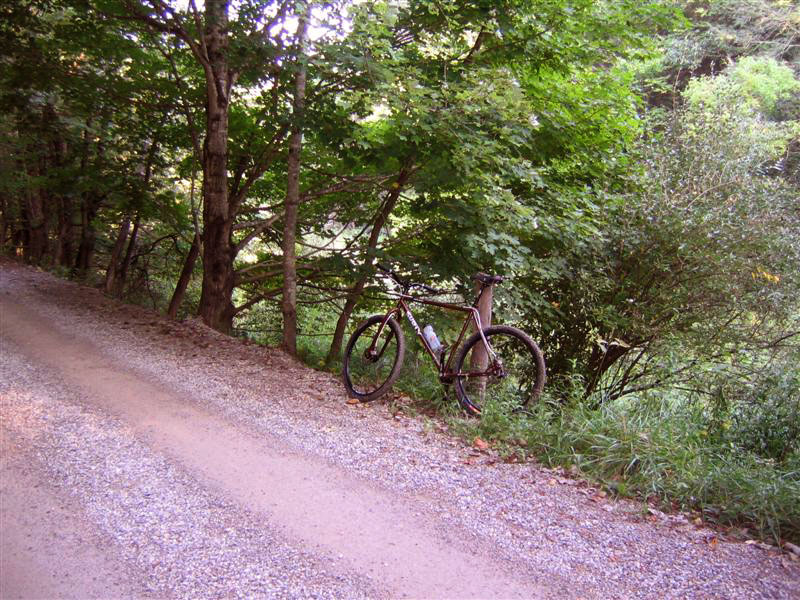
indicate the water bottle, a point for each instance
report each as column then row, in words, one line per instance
column 430, row 337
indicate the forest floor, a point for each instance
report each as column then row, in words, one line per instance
column 143, row 457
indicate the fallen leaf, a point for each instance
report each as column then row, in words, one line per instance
column 480, row 444
column 353, row 401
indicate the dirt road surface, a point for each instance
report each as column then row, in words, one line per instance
column 147, row 458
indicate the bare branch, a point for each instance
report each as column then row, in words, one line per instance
column 187, row 111
column 263, row 226
column 273, row 293
column 260, row 168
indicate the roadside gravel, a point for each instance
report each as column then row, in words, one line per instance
column 549, row 529
column 180, row 539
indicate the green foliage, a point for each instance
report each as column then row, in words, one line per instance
column 657, row 448
column 751, row 85
column 653, row 253
column 761, row 415
column 723, row 29
column 703, row 255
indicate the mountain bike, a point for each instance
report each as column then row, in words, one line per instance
column 498, row 365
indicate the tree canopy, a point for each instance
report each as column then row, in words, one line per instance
column 615, row 158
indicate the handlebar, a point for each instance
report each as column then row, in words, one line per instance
column 487, row 279
column 398, row 280
column 407, row 285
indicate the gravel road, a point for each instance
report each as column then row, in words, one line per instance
column 143, row 457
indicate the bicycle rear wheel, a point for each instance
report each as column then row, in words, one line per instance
column 371, row 369
column 509, row 382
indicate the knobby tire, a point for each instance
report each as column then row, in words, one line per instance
column 364, row 378
column 522, row 360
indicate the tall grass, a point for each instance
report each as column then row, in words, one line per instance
column 659, row 449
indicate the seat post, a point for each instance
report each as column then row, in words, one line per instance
column 483, row 303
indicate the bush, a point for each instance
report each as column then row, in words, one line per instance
column 764, row 415
column 658, row 447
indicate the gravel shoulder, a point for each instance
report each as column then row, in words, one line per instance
column 48, row 543
column 190, row 464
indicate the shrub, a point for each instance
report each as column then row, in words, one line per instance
column 765, row 413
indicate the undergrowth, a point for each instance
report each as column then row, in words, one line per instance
column 658, row 450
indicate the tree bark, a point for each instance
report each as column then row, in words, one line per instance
column 289, row 303
column 4, row 225
column 185, row 277
column 191, row 258
column 34, row 217
column 36, row 225
column 90, row 205
column 64, row 246
column 600, row 362
column 113, row 263
column 12, row 219
column 216, row 306
column 62, row 206
column 119, row 283
column 355, row 292
column 88, row 235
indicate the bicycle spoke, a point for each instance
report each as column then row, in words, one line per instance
column 505, row 384
column 373, row 358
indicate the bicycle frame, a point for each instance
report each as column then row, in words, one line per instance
column 446, row 374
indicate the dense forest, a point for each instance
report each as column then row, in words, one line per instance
column 632, row 167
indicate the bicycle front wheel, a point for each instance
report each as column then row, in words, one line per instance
column 507, row 382
column 372, row 360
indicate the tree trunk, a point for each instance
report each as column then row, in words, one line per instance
column 289, row 304
column 88, row 235
column 216, row 306
column 12, row 216
column 185, row 277
column 119, row 284
column 64, row 247
column 36, row 225
column 10, row 210
column 62, row 206
column 113, row 263
column 600, row 362
column 355, row 292
column 90, row 205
